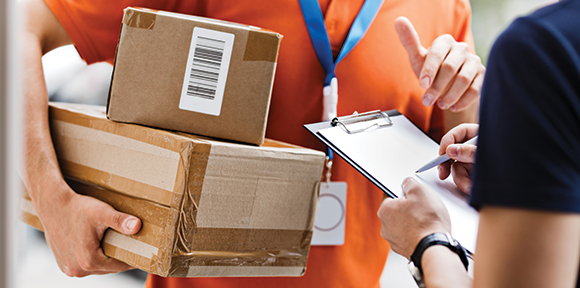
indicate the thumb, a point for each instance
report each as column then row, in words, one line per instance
column 462, row 152
column 410, row 40
column 411, row 187
column 124, row 223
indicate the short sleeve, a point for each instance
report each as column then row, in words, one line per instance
column 94, row 26
column 529, row 146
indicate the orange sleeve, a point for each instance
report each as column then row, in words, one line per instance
column 94, row 26
column 463, row 14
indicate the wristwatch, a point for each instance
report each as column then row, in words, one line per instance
column 428, row 241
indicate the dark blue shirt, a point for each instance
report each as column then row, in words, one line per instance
column 529, row 145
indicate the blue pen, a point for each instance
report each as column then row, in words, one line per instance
column 442, row 158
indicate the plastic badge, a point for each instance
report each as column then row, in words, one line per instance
column 329, row 227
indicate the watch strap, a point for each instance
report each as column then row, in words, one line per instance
column 438, row 239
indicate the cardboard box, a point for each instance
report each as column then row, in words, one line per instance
column 193, row 74
column 209, row 208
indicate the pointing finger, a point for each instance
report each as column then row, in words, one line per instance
column 410, row 40
column 437, row 54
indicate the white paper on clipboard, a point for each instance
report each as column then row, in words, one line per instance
column 392, row 153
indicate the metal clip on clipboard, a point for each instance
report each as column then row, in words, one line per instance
column 374, row 118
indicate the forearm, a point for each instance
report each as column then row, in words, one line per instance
column 43, row 33
column 41, row 171
column 443, row 268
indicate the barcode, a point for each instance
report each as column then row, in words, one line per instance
column 206, row 74
column 205, row 67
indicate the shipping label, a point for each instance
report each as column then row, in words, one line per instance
column 207, row 70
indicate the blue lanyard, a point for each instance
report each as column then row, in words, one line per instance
column 315, row 23
column 317, row 30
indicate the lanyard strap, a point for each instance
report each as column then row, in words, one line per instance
column 317, row 30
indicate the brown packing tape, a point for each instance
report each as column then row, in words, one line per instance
column 187, row 265
column 140, row 18
column 237, row 271
column 248, row 240
column 74, row 124
column 262, row 46
column 136, row 260
column 187, row 222
column 106, row 179
column 94, row 117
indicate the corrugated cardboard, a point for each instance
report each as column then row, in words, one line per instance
column 150, row 71
column 209, row 208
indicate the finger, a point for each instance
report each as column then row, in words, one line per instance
column 448, row 73
column 471, row 95
column 410, row 40
column 444, row 170
column 460, row 84
column 464, row 153
column 123, row 223
column 433, row 61
column 458, row 134
column 462, row 177
column 462, row 77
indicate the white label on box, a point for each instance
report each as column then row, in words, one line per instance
column 207, row 70
column 329, row 226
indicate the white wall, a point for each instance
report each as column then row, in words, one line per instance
column 9, row 142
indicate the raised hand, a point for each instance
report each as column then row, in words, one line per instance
column 452, row 75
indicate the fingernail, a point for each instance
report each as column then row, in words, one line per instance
column 407, row 181
column 442, row 105
column 425, row 82
column 130, row 225
column 452, row 150
column 427, row 100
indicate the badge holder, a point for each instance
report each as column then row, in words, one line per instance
column 329, row 227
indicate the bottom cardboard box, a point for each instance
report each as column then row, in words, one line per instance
column 270, row 252
column 209, row 208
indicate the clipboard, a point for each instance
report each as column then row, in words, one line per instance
column 386, row 147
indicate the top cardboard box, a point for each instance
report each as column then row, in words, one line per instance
column 193, row 74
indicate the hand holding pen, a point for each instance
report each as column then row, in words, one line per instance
column 459, row 145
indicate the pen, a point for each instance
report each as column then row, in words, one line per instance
column 442, row 158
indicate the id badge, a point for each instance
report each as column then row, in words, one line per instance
column 329, row 226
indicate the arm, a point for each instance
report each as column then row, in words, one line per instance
column 405, row 221
column 527, row 248
column 74, row 224
column 515, row 247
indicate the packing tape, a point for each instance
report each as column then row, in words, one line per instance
column 262, row 46
column 124, row 242
column 133, row 159
column 221, row 271
column 143, row 19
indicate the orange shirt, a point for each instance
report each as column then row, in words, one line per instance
column 375, row 75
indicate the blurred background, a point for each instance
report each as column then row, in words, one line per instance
column 69, row 79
